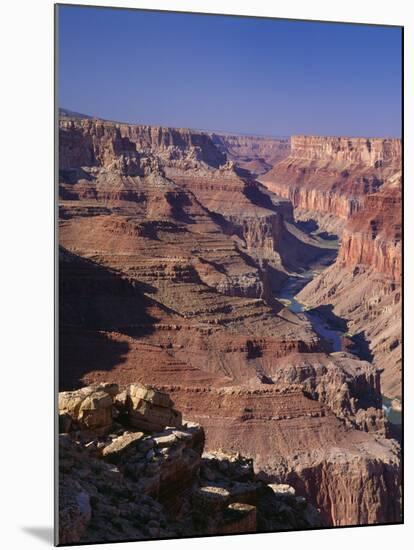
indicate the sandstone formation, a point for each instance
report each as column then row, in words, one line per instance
column 89, row 408
column 299, row 440
column 149, row 410
column 327, row 178
column 353, row 187
column 171, row 258
column 364, row 284
column 128, row 485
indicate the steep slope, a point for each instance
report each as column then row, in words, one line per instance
column 169, row 252
column 135, row 478
column 327, row 178
column 364, row 284
column 351, row 476
column 120, row 210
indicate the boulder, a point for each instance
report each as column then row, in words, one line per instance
column 122, row 445
column 89, row 408
column 150, row 410
column 282, row 489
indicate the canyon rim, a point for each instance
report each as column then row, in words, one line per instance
column 230, row 301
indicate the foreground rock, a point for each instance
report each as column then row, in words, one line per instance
column 87, row 409
column 149, row 410
column 128, row 485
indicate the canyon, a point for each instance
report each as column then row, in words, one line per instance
column 176, row 247
column 329, row 177
column 354, row 187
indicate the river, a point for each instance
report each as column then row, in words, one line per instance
column 322, row 325
column 287, row 295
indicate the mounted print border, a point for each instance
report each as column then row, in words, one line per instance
column 229, row 229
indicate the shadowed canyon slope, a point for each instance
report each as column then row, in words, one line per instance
column 171, row 258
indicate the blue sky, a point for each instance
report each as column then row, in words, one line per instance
column 245, row 75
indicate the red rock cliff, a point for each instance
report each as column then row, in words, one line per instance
column 332, row 175
column 364, row 284
column 160, row 283
column 364, row 151
column 92, row 142
column 373, row 236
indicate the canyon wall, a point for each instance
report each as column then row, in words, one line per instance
column 373, row 152
column 373, row 236
column 328, row 178
column 352, row 187
column 167, row 156
column 168, row 251
column 364, row 284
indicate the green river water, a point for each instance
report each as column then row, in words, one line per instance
column 287, row 294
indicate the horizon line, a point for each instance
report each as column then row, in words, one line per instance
column 83, row 116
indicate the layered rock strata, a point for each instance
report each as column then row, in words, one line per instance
column 105, row 162
column 300, row 441
column 138, row 227
column 128, row 485
column 327, row 178
column 353, row 186
column 364, row 284
column 167, row 259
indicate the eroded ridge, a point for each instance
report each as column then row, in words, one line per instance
column 171, row 257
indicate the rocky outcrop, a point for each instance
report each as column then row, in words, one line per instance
column 175, row 144
column 86, row 142
column 89, row 408
column 328, row 177
column 149, row 410
column 350, row 387
column 232, row 499
column 93, row 144
column 132, row 485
